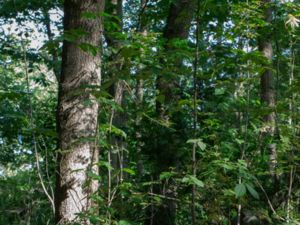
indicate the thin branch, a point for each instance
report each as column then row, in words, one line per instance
column 268, row 199
column 33, row 132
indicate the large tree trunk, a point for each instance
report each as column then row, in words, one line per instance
column 77, row 112
column 178, row 23
column 177, row 27
column 267, row 87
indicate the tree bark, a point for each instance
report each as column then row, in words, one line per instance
column 77, row 112
column 267, row 87
column 177, row 27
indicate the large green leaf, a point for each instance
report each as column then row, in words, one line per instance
column 166, row 175
column 192, row 180
column 252, row 191
column 240, row 190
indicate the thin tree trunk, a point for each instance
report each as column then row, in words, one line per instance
column 139, row 93
column 195, row 115
column 267, row 88
column 117, row 144
column 77, row 112
column 53, row 53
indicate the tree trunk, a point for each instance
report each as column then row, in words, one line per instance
column 115, row 8
column 139, row 94
column 52, row 52
column 178, row 23
column 267, row 87
column 177, row 27
column 77, row 112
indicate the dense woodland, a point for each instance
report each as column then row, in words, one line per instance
column 149, row 112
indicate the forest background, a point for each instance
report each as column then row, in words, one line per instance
column 195, row 119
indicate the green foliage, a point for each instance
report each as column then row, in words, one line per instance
column 192, row 180
column 198, row 142
column 232, row 155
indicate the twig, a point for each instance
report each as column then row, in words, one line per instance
column 47, row 168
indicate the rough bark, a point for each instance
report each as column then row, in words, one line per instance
column 77, row 113
column 177, row 27
column 267, row 86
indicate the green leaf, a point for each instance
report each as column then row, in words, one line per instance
column 201, row 145
column 157, row 199
column 240, row 190
column 118, row 132
column 192, row 141
column 192, row 180
column 227, row 167
column 94, row 176
column 130, row 171
column 150, row 183
column 166, row 175
column 125, row 222
column 74, row 34
column 239, row 141
column 88, row 48
column 252, row 191
column 198, row 142
column 228, row 192
column 105, row 164
column 94, row 219
column 111, row 129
